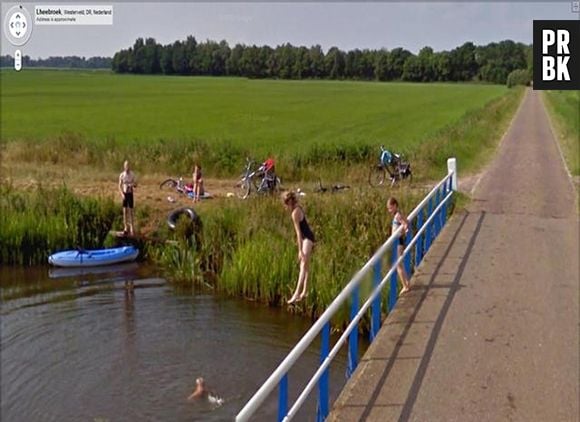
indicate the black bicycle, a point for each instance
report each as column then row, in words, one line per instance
column 391, row 167
column 333, row 189
column 258, row 180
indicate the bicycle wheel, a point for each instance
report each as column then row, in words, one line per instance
column 243, row 189
column 169, row 183
column 377, row 175
column 263, row 186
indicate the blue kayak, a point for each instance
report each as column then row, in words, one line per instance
column 93, row 258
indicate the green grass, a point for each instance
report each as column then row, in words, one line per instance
column 248, row 249
column 171, row 121
column 564, row 106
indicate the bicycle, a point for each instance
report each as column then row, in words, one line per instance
column 268, row 182
column 178, row 185
column 391, row 164
column 333, row 189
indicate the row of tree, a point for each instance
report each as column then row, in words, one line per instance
column 69, row 62
column 490, row 63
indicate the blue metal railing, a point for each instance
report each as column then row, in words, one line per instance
column 430, row 217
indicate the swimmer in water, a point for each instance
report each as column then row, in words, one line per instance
column 200, row 391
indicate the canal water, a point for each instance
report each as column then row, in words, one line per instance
column 124, row 345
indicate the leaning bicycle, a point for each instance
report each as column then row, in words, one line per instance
column 258, row 180
column 391, row 168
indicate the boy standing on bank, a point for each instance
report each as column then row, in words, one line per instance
column 126, row 186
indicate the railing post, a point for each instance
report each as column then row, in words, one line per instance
column 376, row 306
column 323, row 398
column 283, row 398
column 449, row 189
column 408, row 256
column 436, row 222
column 419, row 242
column 444, row 207
column 429, row 226
column 452, row 168
column 393, row 289
column 353, row 336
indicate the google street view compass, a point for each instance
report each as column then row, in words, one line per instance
column 18, row 25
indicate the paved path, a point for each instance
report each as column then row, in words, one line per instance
column 491, row 332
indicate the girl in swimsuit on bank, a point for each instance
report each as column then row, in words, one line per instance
column 197, row 183
column 304, row 239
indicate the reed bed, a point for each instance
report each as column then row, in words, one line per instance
column 35, row 224
column 248, row 248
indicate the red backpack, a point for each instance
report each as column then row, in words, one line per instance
column 269, row 164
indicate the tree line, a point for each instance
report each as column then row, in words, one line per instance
column 69, row 62
column 490, row 63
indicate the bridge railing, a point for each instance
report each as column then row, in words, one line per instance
column 427, row 220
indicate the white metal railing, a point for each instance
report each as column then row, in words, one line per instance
column 435, row 217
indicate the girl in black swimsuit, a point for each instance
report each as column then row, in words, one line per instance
column 305, row 240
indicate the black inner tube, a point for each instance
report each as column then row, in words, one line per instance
column 175, row 214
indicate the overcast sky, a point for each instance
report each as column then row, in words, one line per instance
column 442, row 26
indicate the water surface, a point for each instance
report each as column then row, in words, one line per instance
column 78, row 346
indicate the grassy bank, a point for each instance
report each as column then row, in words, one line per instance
column 248, row 249
column 35, row 224
column 564, row 108
column 472, row 140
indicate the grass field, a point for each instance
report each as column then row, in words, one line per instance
column 76, row 127
column 228, row 116
column 565, row 109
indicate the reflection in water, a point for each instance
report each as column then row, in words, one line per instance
column 128, row 347
column 83, row 272
column 129, row 320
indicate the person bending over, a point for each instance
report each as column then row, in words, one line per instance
column 305, row 241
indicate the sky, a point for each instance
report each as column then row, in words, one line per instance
column 412, row 25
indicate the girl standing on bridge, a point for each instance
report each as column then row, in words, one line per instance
column 305, row 240
column 399, row 219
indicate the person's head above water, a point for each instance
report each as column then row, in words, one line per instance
column 200, row 390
